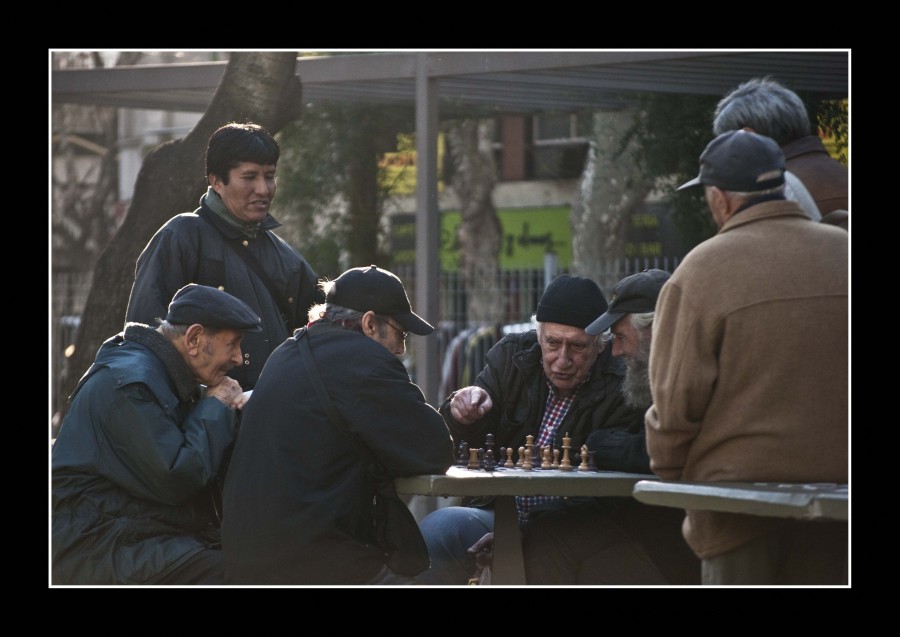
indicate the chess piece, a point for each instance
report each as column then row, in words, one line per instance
column 489, row 441
column 555, row 463
column 489, row 464
column 546, row 454
column 521, row 460
column 591, row 464
column 473, row 459
column 584, row 459
column 509, row 461
column 462, row 459
column 528, row 462
column 566, row 464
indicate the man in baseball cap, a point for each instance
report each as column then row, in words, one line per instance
column 630, row 319
column 749, row 368
column 333, row 404
column 738, row 169
column 373, row 289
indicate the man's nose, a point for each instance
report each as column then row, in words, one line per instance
column 617, row 347
column 237, row 358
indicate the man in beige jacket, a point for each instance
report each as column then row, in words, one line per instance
column 748, row 367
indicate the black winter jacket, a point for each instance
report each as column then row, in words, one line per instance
column 196, row 247
column 514, row 378
column 298, row 495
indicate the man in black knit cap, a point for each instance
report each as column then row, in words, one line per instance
column 550, row 382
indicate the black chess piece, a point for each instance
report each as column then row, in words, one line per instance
column 462, row 459
column 489, row 464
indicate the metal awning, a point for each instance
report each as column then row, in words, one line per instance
column 490, row 82
column 450, row 84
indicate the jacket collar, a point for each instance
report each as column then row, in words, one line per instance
column 765, row 210
column 808, row 144
column 228, row 230
column 182, row 378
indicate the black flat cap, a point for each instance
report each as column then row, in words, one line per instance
column 211, row 307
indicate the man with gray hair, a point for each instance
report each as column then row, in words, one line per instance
column 770, row 109
column 749, row 368
column 617, row 540
column 333, row 418
column 137, row 463
column 630, row 321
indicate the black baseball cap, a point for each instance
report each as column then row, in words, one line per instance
column 371, row 288
column 211, row 307
column 740, row 161
column 634, row 294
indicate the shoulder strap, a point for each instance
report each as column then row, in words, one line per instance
column 253, row 263
column 315, row 379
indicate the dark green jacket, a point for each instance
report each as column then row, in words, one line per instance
column 133, row 466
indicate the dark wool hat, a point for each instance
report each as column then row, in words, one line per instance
column 634, row 294
column 571, row 300
column 740, row 161
column 211, row 307
column 371, row 288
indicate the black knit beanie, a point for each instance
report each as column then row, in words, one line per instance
column 571, row 300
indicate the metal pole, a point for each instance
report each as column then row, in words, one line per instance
column 427, row 227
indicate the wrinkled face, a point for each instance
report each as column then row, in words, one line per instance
column 568, row 353
column 634, row 347
column 625, row 338
column 391, row 335
column 217, row 354
column 249, row 191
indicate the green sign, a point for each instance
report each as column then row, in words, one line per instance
column 528, row 234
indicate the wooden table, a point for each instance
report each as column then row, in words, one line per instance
column 504, row 484
column 808, row 501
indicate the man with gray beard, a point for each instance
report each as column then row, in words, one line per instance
column 629, row 320
column 617, row 541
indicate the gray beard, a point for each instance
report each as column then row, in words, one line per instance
column 636, row 386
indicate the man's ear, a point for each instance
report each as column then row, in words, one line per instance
column 369, row 324
column 193, row 339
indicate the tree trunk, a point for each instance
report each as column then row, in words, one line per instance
column 363, row 205
column 612, row 187
column 259, row 87
column 480, row 233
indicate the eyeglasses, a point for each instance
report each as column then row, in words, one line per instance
column 403, row 333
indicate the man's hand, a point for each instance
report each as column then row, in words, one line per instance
column 483, row 550
column 470, row 404
column 228, row 392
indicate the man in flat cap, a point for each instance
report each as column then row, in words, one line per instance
column 551, row 382
column 748, row 367
column 139, row 452
column 334, row 419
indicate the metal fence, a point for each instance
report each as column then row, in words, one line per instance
column 520, row 289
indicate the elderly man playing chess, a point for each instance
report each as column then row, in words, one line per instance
column 552, row 382
column 333, row 419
